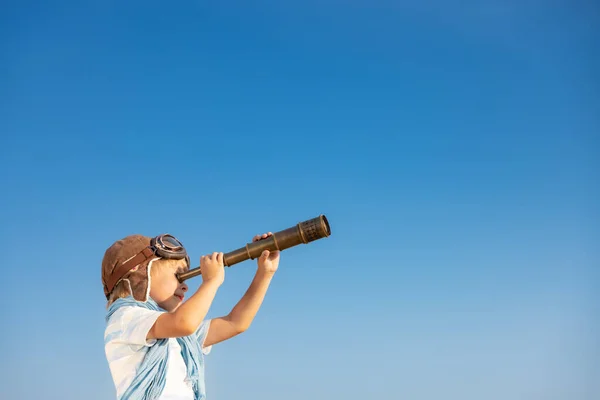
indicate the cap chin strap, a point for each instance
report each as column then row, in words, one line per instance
column 120, row 271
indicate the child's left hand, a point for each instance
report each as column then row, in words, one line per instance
column 268, row 261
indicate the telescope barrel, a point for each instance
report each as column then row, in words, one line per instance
column 302, row 233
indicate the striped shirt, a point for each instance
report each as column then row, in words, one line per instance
column 125, row 346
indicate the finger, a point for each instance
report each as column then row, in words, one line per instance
column 220, row 258
column 274, row 255
column 265, row 254
column 214, row 255
column 255, row 238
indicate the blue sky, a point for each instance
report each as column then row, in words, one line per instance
column 453, row 149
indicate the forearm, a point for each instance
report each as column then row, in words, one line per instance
column 245, row 310
column 192, row 312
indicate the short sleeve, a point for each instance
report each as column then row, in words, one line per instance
column 201, row 334
column 136, row 322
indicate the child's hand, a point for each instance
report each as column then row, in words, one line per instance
column 212, row 267
column 268, row 262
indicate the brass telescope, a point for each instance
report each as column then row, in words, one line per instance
column 303, row 232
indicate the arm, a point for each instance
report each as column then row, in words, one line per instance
column 241, row 316
column 186, row 319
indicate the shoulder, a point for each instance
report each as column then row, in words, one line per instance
column 130, row 324
column 126, row 314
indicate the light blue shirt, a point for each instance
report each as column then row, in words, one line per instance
column 141, row 369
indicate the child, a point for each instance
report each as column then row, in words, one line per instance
column 154, row 341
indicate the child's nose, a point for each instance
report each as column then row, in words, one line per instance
column 184, row 287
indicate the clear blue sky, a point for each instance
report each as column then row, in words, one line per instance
column 454, row 150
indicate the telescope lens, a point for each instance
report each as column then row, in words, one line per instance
column 314, row 229
column 327, row 228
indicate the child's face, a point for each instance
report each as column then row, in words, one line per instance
column 165, row 288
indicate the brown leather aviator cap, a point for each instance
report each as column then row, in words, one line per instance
column 115, row 266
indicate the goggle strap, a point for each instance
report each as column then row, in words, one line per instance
column 120, row 271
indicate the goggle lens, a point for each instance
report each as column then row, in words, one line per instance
column 171, row 243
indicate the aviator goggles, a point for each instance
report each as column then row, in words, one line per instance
column 164, row 246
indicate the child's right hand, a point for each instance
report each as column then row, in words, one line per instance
column 212, row 267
